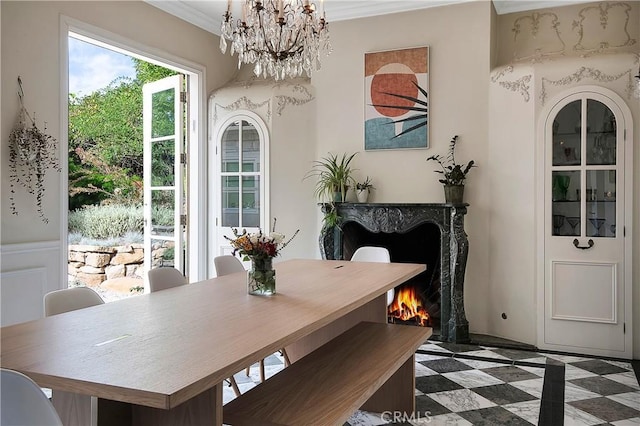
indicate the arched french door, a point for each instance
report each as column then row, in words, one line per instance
column 241, row 177
column 586, row 295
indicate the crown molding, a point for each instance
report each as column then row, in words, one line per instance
column 211, row 20
column 184, row 11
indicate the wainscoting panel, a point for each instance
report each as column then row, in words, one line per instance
column 593, row 285
column 29, row 271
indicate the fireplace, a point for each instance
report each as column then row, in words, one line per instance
column 431, row 234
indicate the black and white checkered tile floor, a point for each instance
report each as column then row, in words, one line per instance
column 480, row 385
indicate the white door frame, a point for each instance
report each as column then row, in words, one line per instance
column 197, row 128
column 627, row 126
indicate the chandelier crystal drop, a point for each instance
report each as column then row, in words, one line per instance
column 282, row 38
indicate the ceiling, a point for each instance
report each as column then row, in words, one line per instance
column 208, row 14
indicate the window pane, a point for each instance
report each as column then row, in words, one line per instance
column 250, row 147
column 162, row 163
column 230, row 149
column 601, row 135
column 566, row 203
column 251, row 201
column 230, row 201
column 162, row 253
column 601, row 203
column 162, row 212
column 566, row 135
column 162, row 114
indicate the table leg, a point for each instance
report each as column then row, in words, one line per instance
column 203, row 409
column 398, row 393
column 75, row 409
column 83, row 410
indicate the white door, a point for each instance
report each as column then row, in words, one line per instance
column 587, row 299
column 242, row 174
column 163, row 130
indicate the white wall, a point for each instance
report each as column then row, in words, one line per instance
column 511, row 161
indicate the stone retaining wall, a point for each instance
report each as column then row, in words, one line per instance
column 91, row 265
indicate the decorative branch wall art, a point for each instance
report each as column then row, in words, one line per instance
column 31, row 153
column 396, row 104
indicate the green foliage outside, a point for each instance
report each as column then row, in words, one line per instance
column 111, row 221
column 105, row 139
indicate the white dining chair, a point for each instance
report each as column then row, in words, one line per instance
column 69, row 299
column 228, row 264
column 167, row 277
column 23, row 403
column 374, row 254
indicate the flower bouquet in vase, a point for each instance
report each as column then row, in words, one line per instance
column 260, row 249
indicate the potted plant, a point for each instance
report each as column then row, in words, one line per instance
column 334, row 175
column 363, row 189
column 454, row 174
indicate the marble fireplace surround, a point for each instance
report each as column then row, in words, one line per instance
column 401, row 218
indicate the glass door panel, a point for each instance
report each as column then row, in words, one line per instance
column 251, row 201
column 230, row 201
column 163, row 119
column 566, row 212
column 601, row 135
column 566, row 135
column 601, row 203
column 162, row 212
column 230, row 155
column 163, row 162
column 250, row 148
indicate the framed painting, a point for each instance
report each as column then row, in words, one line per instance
column 396, row 99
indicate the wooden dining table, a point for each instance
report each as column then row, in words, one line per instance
column 162, row 358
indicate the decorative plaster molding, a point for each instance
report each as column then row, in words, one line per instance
column 593, row 37
column 535, row 20
column 520, row 85
column 584, row 73
column 282, row 101
column 242, row 103
column 605, row 9
column 497, row 76
column 300, row 96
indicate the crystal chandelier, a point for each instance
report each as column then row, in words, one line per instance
column 282, row 38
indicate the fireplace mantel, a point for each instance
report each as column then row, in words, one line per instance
column 401, row 218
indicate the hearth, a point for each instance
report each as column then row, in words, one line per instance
column 431, row 234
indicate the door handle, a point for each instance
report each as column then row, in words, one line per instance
column 576, row 243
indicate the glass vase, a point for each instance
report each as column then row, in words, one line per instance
column 261, row 278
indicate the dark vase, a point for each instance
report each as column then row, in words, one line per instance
column 453, row 194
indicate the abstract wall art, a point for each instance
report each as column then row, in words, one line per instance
column 396, row 99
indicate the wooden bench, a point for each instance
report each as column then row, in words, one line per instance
column 369, row 367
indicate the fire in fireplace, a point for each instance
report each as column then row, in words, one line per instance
column 407, row 306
